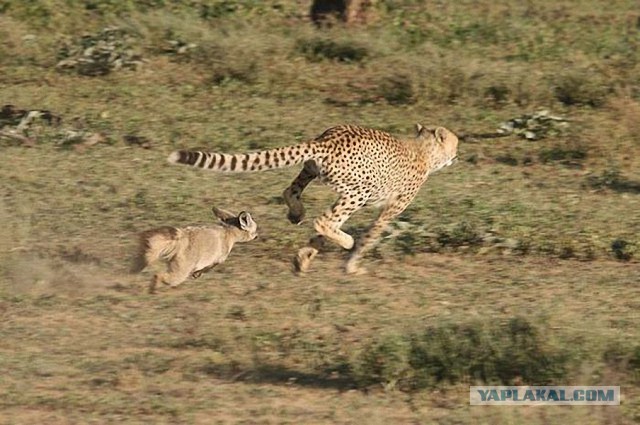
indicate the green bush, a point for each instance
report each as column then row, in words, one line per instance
column 225, row 63
column 483, row 351
column 507, row 159
column 318, row 49
column 497, row 93
column 612, row 178
column 241, row 71
column 580, row 89
column 463, row 233
column 622, row 249
column 384, row 361
column 397, row 89
column 564, row 155
column 623, row 357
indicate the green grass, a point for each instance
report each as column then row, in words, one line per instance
column 517, row 265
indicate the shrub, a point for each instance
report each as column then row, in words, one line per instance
column 497, row 93
column 384, row 361
column 564, row 155
column 623, row 357
column 622, row 250
column 223, row 61
column 242, row 71
column 463, row 233
column 397, row 89
column 580, row 89
column 490, row 352
column 318, row 49
column 613, row 179
column 507, row 159
column 219, row 9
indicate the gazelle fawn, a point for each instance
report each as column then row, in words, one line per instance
column 193, row 250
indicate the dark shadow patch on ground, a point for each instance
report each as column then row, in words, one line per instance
column 281, row 375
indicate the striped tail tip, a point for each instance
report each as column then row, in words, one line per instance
column 185, row 157
column 174, row 158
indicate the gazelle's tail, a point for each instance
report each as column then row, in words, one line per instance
column 154, row 245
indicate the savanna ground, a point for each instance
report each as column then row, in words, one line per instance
column 518, row 265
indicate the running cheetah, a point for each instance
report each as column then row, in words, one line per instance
column 365, row 166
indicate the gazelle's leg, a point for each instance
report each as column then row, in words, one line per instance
column 179, row 271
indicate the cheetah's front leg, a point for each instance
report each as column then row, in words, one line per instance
column 305, row 256
column 328, row 227
column 371, row 237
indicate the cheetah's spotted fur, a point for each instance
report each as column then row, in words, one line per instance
column 365, row 166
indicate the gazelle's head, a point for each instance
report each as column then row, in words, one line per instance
column 243, row 222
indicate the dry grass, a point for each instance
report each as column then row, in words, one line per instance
column 546, row 230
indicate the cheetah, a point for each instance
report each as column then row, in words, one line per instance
column 363, row 165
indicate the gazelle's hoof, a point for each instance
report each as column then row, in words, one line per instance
column 303, row 259
column 153, row 285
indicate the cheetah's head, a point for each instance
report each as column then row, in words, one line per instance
column 444, row 145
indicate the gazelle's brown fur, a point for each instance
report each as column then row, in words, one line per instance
column 193, row 250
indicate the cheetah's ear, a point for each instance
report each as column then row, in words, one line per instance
column 421, row 130
column 222, row 214
column 441, row 134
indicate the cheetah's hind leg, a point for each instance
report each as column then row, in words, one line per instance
column 293, row 193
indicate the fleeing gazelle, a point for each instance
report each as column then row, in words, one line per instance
column 193, row 250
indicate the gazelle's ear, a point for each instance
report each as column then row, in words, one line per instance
column 245, row 220
column 419, row 129
column 222, row 214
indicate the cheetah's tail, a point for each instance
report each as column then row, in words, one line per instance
column 254, row 161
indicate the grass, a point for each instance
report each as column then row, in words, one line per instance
column 517, row 265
